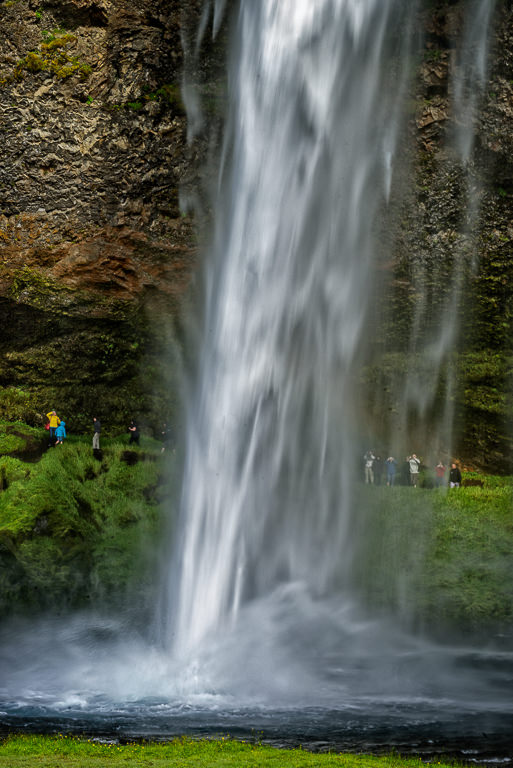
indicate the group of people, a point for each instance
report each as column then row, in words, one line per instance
column 133, row 429
column 374, row 466
column 57, row 431
column 56, row 428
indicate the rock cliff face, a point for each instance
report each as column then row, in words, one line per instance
column 95, row 253
column 453, row 252
column 93, row 246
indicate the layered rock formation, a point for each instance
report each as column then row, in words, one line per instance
column 93, row 246
column 449, row 257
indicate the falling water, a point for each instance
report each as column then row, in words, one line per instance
column 471, row 69
column 276, row 418
column 431, row 375
column 316, row 108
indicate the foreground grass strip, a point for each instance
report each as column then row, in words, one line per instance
column 72, row 752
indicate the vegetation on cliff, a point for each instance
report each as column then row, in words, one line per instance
column 76, row 530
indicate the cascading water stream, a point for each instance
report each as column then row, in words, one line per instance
column 432, row 354
column 316, row 94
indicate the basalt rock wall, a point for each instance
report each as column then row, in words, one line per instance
column 448, row 259
column 95, row 253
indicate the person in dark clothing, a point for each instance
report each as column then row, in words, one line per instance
column 134, row 433
column 454, row 476
column 378, row 470
column 391, row 465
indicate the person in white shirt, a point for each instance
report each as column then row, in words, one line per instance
column 414, row 463
column 369, row 459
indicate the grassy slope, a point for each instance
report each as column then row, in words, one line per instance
column 48, row 752
column 75, row 531
column 72, row 528
column 441, row 558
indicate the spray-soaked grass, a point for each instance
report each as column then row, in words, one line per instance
column 76, row 531
column 437, row 559
column 17, row 436
column 73, row 528
column 62, row 752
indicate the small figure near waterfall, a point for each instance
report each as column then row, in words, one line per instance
column 60, row 433
column 391, row 465
column 414, row 463
column 454, row 476
column 134, row 433
column 96, row 436
column 54, row 422
column 369, row 459
column 377, row 468
column 440, row 470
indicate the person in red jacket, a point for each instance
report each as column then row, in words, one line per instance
column 440, row 474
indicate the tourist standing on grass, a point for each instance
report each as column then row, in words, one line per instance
column 454, row 476
column 414, row 463
column 369, row 459
column 391, row 470
column 134, row 433
column 60, row 433
column 54, row 422
column 440, row 474
column 96, row 436
column 378, row 470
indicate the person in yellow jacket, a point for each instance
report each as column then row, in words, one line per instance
column 54, row 423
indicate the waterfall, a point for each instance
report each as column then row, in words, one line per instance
column 470, row 75
column 429, row 392
column 316, row 107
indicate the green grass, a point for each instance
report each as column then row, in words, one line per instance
column 17, row 436
column 67, row 752
column 439, row 559
column 78, row 532
column 74, row 530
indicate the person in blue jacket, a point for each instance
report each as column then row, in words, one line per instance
column 391, row 465
column 60, row 433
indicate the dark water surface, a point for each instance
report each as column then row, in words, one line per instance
column 408, row 728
